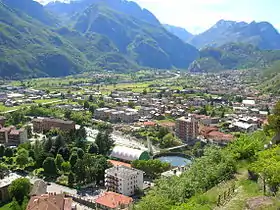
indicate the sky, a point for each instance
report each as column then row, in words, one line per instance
column 197, row 16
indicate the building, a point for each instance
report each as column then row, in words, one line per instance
column 114, row 201
column 50, row 201
column 214, row 136
column 46, row 124
column 2, row 120
column 187, row 129
column 11, row 136
column 39, row 187
column 124, row 180
column 129, row 154
column 4, row 184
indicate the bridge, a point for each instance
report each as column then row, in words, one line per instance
column 177, row 147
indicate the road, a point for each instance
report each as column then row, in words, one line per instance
column 53, row 187
column 120, row 139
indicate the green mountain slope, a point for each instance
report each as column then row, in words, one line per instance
column 146, row 43
column 30, row 48
column 182, row 33
column 233, row 56
column 271, row 79
column 262, row 34
column 127, row 7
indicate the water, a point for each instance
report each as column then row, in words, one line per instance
column 175, row 160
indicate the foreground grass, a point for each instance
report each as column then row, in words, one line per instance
column 6, row 207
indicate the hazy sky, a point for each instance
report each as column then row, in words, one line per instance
column 198, row 15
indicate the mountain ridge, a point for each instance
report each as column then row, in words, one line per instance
column 261, row 34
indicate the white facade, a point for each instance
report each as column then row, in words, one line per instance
column 123, row 180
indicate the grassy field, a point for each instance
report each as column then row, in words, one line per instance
column 6, row 207
column 3, row 108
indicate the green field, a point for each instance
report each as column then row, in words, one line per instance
column 3, row 108
column 6, row 207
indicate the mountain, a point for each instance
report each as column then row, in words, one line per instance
column 148, row 44
column 262, row 34
column 30, row 48
column 34, row 42
column 182, row 33
column 123, row 6
column 271, row 79
column 32, row 9
column 233, row 56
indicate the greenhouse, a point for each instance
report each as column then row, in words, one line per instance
column 129, row 154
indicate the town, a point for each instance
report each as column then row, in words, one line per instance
column 102, row 146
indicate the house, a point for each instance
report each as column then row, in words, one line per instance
column 124, row 180
column 243, row 127
column 114, row 201
column 46, row 124
column 214, row 136
column 11, row 136
column 51, row 201
column 5, row 182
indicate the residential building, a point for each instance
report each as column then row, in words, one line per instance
column 46, row 124
column 4, row 184
column 50, row 201
column 187, row 129
column 214, row 136
column 124, row 180
column 243, row 127
column 11, row 136
column 113, row 201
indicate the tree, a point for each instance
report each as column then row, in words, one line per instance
column 58, row 161
column 48, row 145
column 58, row 143
column 19, row 188
column 86, row 105
column 67, row 114
column 29, row 131
column 2, row 150
column 80, row 153
column 22, row 157
column 131, row 104
column 104, row 142
column 49, row 166
column 66, row 167
column 268, row 166
column 152, row 168
column 65, row 152
column 90, row 98
column 73, row 159
column 9, row 152
column 71, row 179
column 93, row 149
column 3, row 170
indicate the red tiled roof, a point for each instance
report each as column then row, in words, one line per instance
column 220, row 136
column 118, row 163
column 113, row 200
column 49, row 202
column 149, row 123
column 207, row 129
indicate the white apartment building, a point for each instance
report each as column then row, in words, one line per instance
column 123, row 180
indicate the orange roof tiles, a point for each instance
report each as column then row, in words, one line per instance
column 49, row 202
column 113, row 200
column 118, row 163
